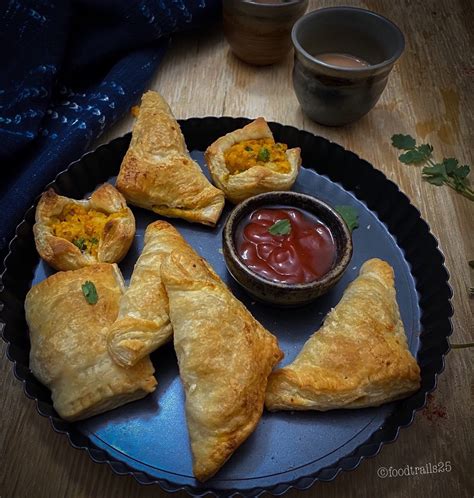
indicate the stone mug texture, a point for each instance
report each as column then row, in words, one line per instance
column 260, row 33
column 332, row 95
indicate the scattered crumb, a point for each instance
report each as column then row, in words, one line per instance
column 368, row 227
column 253, row 302
column 354, row 267
column 433, row 411
column 220, row 250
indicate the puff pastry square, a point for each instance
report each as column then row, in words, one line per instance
column 224, row 356
column 263, row 176
column 359, row 358
column 70, row 234
column 69, row 344
column 157, row 172
column 143, row 322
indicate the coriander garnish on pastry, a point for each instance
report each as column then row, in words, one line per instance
column 157, row 172
column 359, row 357
column 68, row 335
column 70, row 234
column 224, row 357
column 143, row 322
column 247, row 162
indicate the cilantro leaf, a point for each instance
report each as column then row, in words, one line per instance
column 350, row 216
column 404, row 142
column 450, row 165
column 435, row 180
column 462, row 172
column 90, row 292
column 80, row 243
column 425, row 149
column 94, row 240
column 248, row 148
column 280, row 227
column 263, row 154
column 438, row 169
column 417, row 155
column 448, row 172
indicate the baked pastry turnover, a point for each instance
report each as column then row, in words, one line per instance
column 224, row 356
column 70, row 234
column 69, row 344
column 359, row 357
column 143, row 323
column 248, row 162
column 157, row 172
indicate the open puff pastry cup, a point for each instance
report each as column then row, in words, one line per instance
column 108, row 217
column 257, row 179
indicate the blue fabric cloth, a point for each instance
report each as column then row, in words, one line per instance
column 74, row 67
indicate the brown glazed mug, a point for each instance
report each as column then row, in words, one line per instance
column 334, row 95
column 258, row 31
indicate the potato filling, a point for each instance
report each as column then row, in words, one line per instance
column 83, row 227
column 263, row 152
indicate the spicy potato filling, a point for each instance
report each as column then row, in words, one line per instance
column 262, row 152
column 83, row 227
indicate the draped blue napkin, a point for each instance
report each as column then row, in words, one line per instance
column 70, row 69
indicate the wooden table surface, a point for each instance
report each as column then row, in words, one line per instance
column 429, row 94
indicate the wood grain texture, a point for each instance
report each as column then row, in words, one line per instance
column 429, row 94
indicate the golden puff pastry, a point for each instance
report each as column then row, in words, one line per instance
column 248, row 162
column 157, row 172
column 69, row 344
column 70, row 234
column 143, row 322
column 224, row 357
column 359, row 358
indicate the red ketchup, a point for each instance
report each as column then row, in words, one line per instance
column 305, row 254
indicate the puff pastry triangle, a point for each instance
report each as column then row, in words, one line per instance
column 224, row 356
column 143, row 322
column 157, row 172
column 359, row 358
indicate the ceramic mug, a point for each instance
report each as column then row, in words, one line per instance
column 258, row 31
column 334, row 95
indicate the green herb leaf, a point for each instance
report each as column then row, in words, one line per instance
column 94, row 240
column 448, row 172
column 263, row 154
column 90, row 292
column 404, row 142
column 425, row 149
column 435, row 180
column 248, row 148
column 438, row 169
column 417, row 155
column 280, row 227
column 80, row 243
column 350, row 215
column 462, row 172
column 450, row 165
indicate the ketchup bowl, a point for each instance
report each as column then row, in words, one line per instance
column 286, row 248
